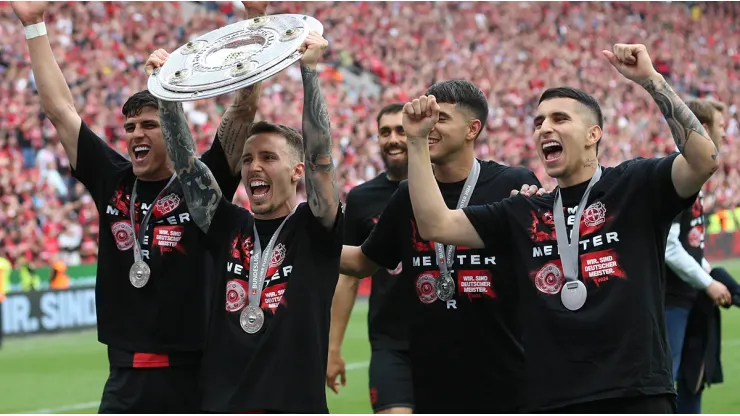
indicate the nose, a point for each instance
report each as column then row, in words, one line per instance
column 546, row 128
column 138, row 132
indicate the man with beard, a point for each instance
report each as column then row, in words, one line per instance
column 463, row 335
column 152, row 266
column 591, row 305
column 276, row 269
column 390, row 369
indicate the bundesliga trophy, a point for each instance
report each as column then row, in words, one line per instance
column 232, row 57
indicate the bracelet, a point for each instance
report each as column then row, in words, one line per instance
column 35, row 30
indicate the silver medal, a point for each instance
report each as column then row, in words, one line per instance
column 445, row 286
column 573, row 295
column 139, row 274
column 251, row 319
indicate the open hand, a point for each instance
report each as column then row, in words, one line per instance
column 420, row 116
column 156, row 60
column 312, row 48
column 632, row 61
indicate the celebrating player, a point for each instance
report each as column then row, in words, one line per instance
column 390, row 367
column 463, row 332
column 277, row 269
column 592, row 307
column 151, row 266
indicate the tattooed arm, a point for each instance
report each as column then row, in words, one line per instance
column 699, row 156
column 321, row 180
column 202, row 193
column 235, row 124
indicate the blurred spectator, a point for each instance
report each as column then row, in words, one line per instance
column 513, row 51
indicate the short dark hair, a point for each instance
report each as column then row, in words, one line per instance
column 704, row 110
column 394, row 108
column 137, row 102
column 464, row 95
column 580, row 96
column 292, row 136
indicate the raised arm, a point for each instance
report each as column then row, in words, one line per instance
column 322, row 190
column 56, row 98
column 699, row 156
column 200, row 188
column 238, row 118
column 436, row 222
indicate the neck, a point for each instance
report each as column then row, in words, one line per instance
column 455, row 170
column 396, row 176
column 157, row 176
column 585, row 171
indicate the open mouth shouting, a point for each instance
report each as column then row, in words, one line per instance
column 141, row 151
column 259, row 189
column 551, row 150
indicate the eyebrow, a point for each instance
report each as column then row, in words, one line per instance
column 541, row 118
column 443, row 114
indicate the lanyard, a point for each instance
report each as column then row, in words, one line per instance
column 260, row 261
column 442, row 261
column 139, row 238
column 569, row 250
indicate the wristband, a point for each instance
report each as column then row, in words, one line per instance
column 35, row 30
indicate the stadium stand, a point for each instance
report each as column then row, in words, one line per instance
column 379, row 53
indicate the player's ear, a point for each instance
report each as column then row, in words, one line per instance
column 594, row 135
column 474, row 127
column 298, row 171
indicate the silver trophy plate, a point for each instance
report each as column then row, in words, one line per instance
column 232, row 57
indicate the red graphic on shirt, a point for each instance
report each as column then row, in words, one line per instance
column 593, row 219
column 550, row 278
column 167, row 238
column 123, row 234
column 121, row 200
column 696, row 209
column 419, row 244
column 475, row 284
column 601, row 266
column 274, row 296
column 425, row 286
column 241, row 249
column 696, row 235
column 165, row 205
column 236, row 295
column 278, row 256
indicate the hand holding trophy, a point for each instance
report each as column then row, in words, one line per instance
column 232, row 57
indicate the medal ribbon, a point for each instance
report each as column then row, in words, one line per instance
column 442, row 261
column 139, row 239
column 569, row 250
column 258, row 263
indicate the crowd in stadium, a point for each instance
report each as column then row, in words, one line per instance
column 513, row 51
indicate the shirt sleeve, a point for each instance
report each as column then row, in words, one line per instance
column 384, row 245
column 97, row 164
column 215, row 159
column 491, row 224
column 657, row 174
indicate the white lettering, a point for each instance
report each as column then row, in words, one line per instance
column 145, row 254
column 452, row 304
column 184, row 217
column 536, row 252
column 287, row 270
column 17, row 315
column 235, row 268
column 110, row 210
column 490, row 260
column 68, row 309
column 597, row 241
column 612, row 237
column 475, row 259
column 421, row 261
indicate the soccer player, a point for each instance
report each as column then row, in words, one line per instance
column 151, row 267
column 390, row 367
column 277, row 269
column 592, row 308
column 688, row 270
column 464, row 342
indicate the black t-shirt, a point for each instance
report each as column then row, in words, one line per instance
column 283, row 366
column 387, row 318
column 162, row 323
column 467, row 351
column 691, row 223
column 615, row 345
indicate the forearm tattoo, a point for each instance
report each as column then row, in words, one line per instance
column 237, row 120
column 321, row 181
column 679, row 117
column 200, row 188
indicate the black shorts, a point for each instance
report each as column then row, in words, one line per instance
column 390, row 379
column 660, row 404
column 152, row 390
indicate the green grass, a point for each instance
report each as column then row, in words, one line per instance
column 66, row 373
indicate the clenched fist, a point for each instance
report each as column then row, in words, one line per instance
column 632, row 61
column 29, row 12
column 420, row 116
column 312, row 48
column 156, row 60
